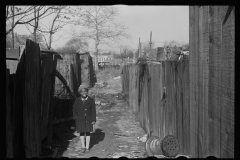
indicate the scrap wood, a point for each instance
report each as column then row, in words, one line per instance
column 119, row 134
column 55, row 152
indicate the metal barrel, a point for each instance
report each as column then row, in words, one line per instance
column 153, row 146
column 168, row 147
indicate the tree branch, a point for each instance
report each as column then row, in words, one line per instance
column 20, row 13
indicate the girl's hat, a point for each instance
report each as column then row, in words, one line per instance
column 82, row 86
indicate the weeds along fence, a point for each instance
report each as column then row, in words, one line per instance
column 158, row 94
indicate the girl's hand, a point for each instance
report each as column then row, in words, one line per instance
column 93, row 122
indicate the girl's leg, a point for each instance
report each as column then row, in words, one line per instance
column 87, row 139
column 82, row 138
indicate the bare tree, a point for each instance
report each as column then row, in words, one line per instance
column 98, row 24
column 24, row 14
column 36, row 22
column 61, row 17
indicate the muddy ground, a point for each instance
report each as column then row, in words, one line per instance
column 115, row 132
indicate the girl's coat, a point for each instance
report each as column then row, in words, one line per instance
column 84, row 114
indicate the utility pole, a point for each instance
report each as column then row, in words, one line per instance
column 150, row 43
column 139, row 48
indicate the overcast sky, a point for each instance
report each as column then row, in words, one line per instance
column 166, row 23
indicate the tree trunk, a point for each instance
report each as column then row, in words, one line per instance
column 34, row 29
column 13, row 45
column 96, row 57
column 50, row 41
column 36, row 24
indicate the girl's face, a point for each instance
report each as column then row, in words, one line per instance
column 84, row 93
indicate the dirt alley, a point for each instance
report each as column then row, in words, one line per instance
column 115, row 132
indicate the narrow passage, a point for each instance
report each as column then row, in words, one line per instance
column 116, row 129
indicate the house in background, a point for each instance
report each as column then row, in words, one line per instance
column 104, row 59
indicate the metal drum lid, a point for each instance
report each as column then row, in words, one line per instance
column 170, row 146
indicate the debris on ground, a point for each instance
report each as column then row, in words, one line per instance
column 101, row 85
column 97, row 102
column 132, row 154
column 119, row 134
column 143, row 138
column 115, row 78
column 123, row 146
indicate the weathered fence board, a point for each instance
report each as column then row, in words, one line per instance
column 171, row 96
column 31, row 108
column 151, row 101
column 17, row 104
column 162, row 87
column 179, row 109
column 215, row 91
column 193, row 70
column 92, row 76
column 212, row 51
column 85, row 74
column 9, row 137
column 75, row 77
column 158, row 104
column 227, row 76
column 47, row 75
column 186, row 109
column 52, row 103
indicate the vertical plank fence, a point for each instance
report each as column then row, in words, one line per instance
column 158, row 95
column 76, row 69
column 31, row 107
column 30, row 95
column 191, row 99
column 212, row 51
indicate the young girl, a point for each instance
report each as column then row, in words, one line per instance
column 84, row 112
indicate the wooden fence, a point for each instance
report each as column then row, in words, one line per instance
column 76, row 69
column 29, row 100
column 212, row 58
column 192, row 100
column 32, row 109
column 158, row 94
